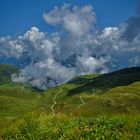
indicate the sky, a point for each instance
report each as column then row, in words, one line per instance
column 52, row 41
column 18, row 16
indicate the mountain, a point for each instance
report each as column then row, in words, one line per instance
column 113, row 93
column 91, row 106
column 105, row 82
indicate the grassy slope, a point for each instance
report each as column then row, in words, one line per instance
column 109, row 94
column 105, row 82
column 113, row 93
column 14, row 99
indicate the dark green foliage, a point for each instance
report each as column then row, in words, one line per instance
column 108, row 81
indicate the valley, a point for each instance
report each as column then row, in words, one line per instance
column 90, row 106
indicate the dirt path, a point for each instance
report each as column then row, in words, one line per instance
column 22, row 88
column 83, row 103
column 54, row 100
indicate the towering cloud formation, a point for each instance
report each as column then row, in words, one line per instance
column 77, row 47
column 75, row 20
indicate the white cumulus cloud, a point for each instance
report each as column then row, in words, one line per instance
column 77, row 47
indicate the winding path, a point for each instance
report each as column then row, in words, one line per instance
column 60, row 90
column 83, row 103
column 22, row 88
column 54, row 101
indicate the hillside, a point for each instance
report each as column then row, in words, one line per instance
column 5, row 73
column 15, row 98
column 94, row 94
column 113, row 93
column 105, row 82
column 87, row 107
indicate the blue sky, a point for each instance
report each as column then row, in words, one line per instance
column 18, row 16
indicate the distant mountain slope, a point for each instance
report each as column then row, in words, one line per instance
column 82, row 79
column 105, row 82
column 5, row 73
column 24, row 114
column 112, row 93
column 72, row 108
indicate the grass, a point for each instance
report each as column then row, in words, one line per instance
column 111, row 110
column 16, row 99
column 62, row 127
column 118, row 100
column 114, row 100
column 15, row 102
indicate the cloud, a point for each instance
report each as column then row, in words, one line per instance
column 78, row 47
column 132, row 28
column 4, row 46
column 74, row 20
column 135, row 61
column 92, row 65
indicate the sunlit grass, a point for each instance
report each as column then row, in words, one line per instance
column 42, row 126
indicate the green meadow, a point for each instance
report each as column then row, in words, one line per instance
column 100, row 107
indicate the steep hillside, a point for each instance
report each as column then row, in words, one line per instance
column 105, row 82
